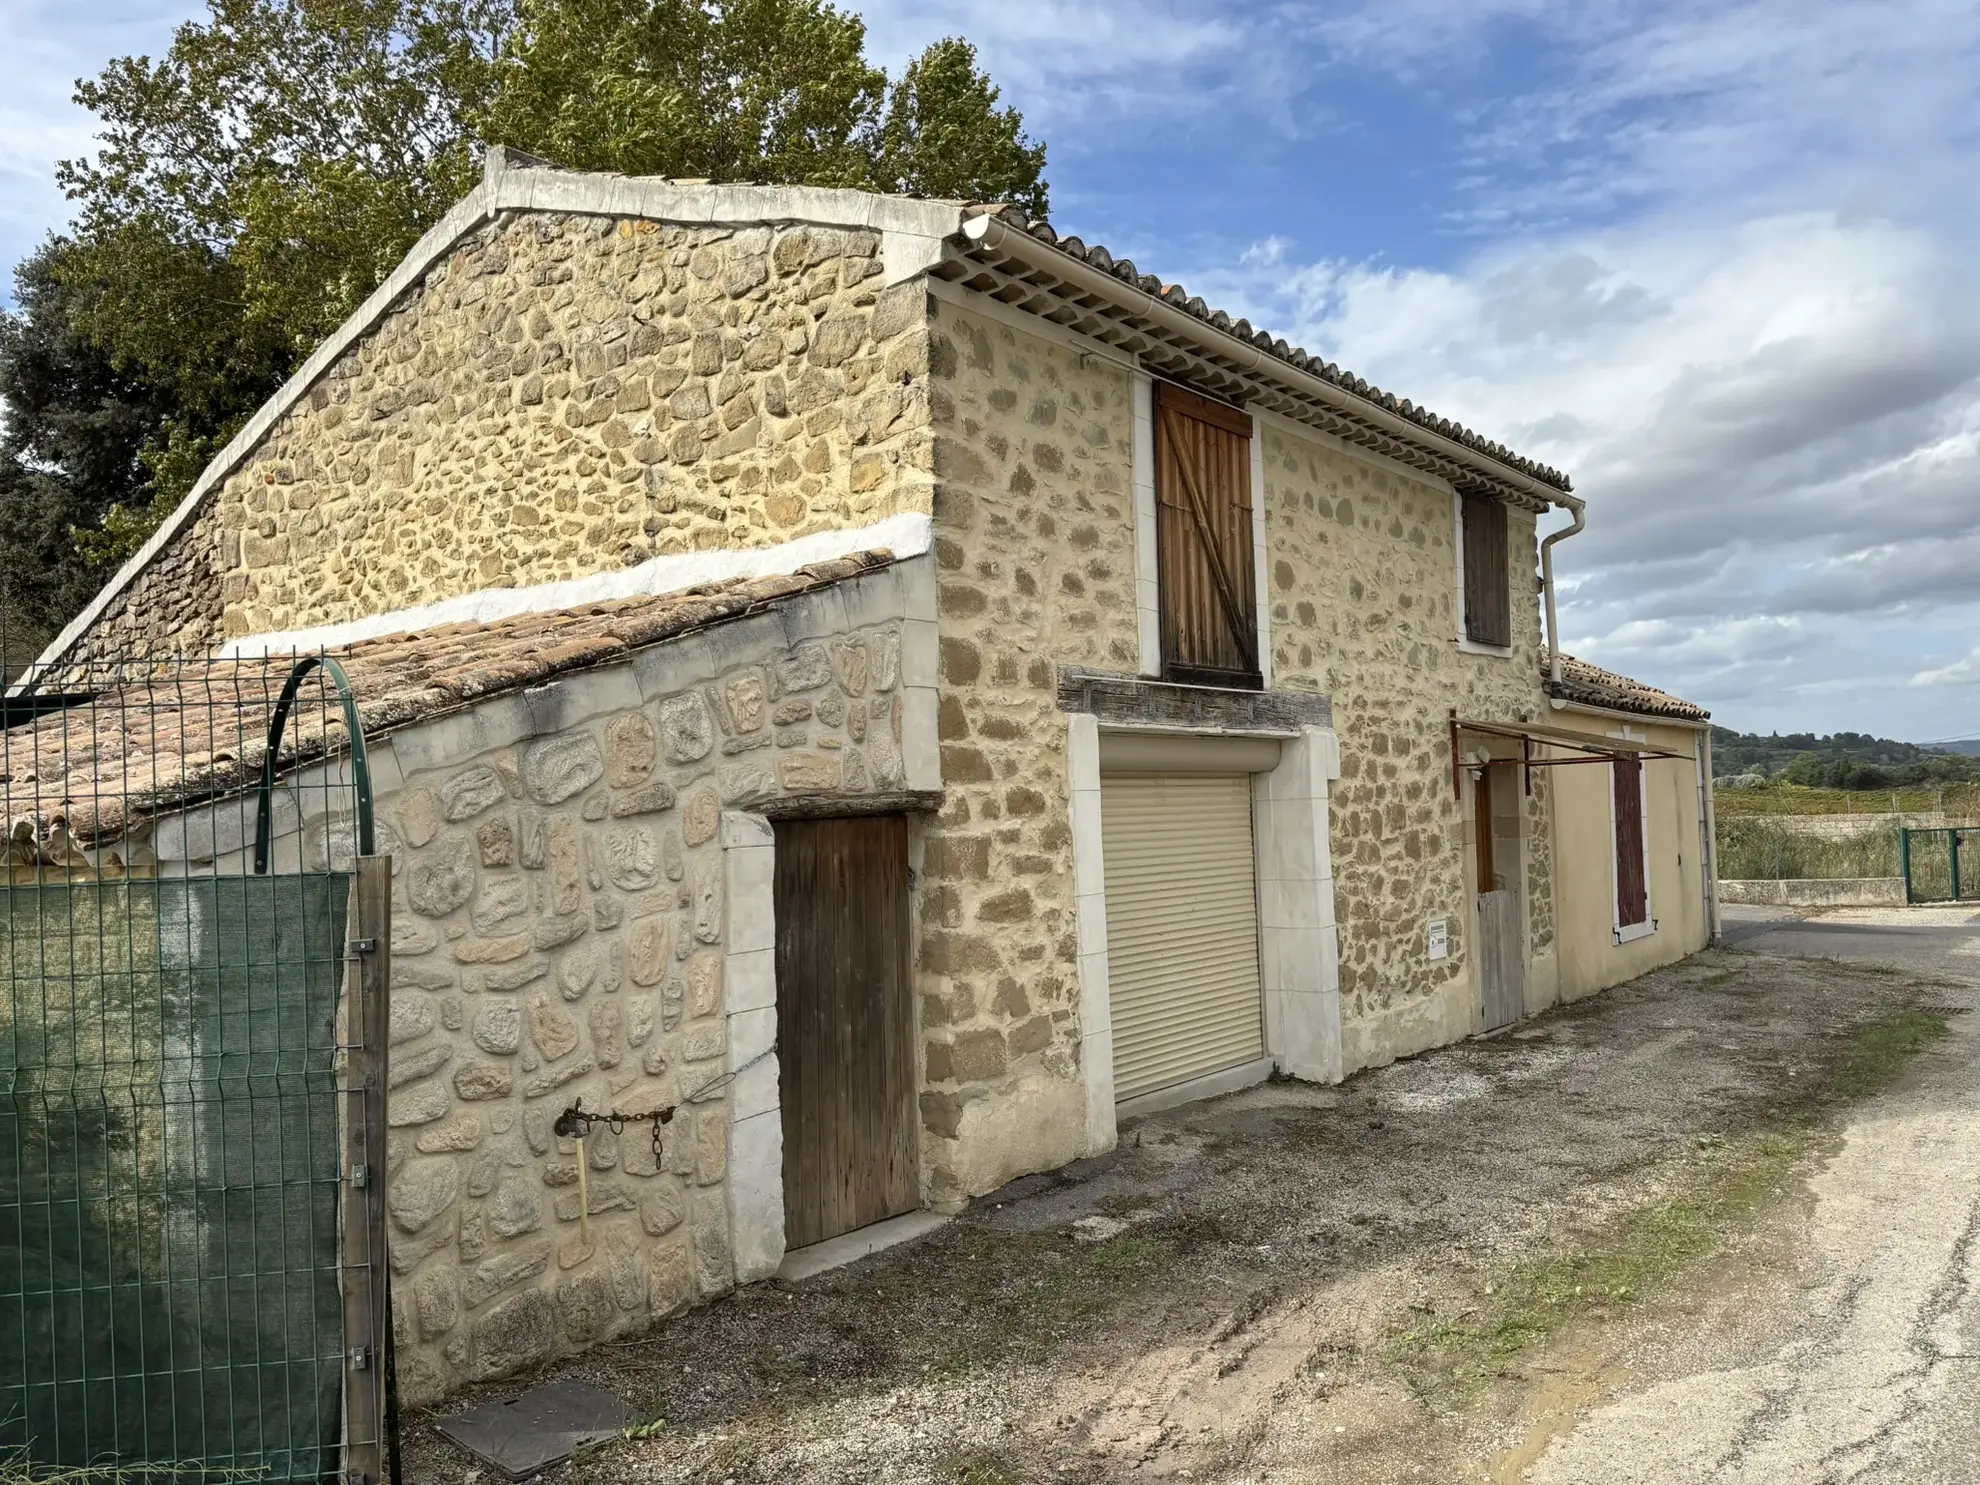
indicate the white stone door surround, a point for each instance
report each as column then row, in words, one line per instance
column 1298, row 950
column 749, row 1001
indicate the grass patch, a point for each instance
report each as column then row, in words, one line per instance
column 1020, row 1295
column 1793, row 799
column 980, row 1469
column 1873, row 1058
column 1004, row 1296
column 1761, row 848
column 16, row 1468
column 1720, row 1185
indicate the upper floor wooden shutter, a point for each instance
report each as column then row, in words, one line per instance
column 1632, row 892
column 1203, row 537
column 1487, row 582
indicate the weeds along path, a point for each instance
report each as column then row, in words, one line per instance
column 1424, row 1273
column 1852, row 1354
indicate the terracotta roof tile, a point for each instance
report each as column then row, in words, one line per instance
column 1591, row 685
column 194, row 730
column 1177, row 297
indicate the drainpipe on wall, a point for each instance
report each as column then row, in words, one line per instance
column 1580, row 521
column 1708, row 823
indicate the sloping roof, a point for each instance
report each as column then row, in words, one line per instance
column 197, row 729
column 995, row 248
column 1590, row 685
column 1175, row 296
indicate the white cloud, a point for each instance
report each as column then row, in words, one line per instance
column 1718, row 279
column 1776, row 426
column 45, row 45
column 1963, row 672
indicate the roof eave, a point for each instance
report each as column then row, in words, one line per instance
column 1630, row 714
column 1366, row 421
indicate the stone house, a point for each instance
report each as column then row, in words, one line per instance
column 1158, row 751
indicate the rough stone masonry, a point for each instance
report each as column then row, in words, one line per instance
column 562, row 395
column 559, row 934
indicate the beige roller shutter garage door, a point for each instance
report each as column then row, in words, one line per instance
column 1182, row 927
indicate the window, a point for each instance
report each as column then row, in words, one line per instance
column 1487, row 581
column 1632, row 850
column 1203, row 538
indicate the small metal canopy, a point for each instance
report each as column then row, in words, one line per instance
column 1526, row 734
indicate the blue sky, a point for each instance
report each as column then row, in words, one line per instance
column 1712, row 258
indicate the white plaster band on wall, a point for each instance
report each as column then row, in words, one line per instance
column 906, row 535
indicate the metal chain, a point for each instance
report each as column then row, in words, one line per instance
column 576, row 1122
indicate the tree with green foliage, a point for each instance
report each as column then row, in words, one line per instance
column 75, row 431
column 255, row 183
column 755, row 90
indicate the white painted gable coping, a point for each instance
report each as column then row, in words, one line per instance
column 906, row 535
column 912, row 233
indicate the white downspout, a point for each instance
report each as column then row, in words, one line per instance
column 1580, row 522
column 1708, row 822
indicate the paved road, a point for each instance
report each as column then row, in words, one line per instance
column 1929, row 940
column 1862, row 1365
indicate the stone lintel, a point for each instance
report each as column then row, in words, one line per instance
column 1129, row 701
column 836, row 806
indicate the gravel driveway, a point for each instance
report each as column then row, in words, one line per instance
column 1282, row 1284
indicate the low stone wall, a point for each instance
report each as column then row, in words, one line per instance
column 1816, row 892
column 1827, row 827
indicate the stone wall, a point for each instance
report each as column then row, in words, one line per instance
column 563, row 929
column 1814, row 892
column 1034, row 542
column 1364, row 597
column 560, row 396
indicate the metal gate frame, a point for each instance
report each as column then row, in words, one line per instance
column 371, row 1413
column 1952, row 834
column 360, row 1446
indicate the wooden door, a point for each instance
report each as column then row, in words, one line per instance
column 845, row 1025
column 1501, row 977
column 1203, row 540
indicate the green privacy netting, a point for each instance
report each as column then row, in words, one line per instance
column 169, row 1165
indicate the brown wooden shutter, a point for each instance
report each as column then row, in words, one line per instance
column 1487, row 583
column 1632, row 895
column 1203, row 537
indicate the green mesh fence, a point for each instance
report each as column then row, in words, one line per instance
column 169, row 1161
column 1940, row 864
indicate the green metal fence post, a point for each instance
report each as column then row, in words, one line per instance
column 264, row 814
column 1904, row 862
column 1952, row 839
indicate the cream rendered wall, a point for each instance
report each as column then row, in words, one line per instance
column 1590, row 958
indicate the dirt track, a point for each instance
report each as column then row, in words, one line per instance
column 1293, row 1283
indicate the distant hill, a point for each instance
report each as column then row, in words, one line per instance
column 1842, row 760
